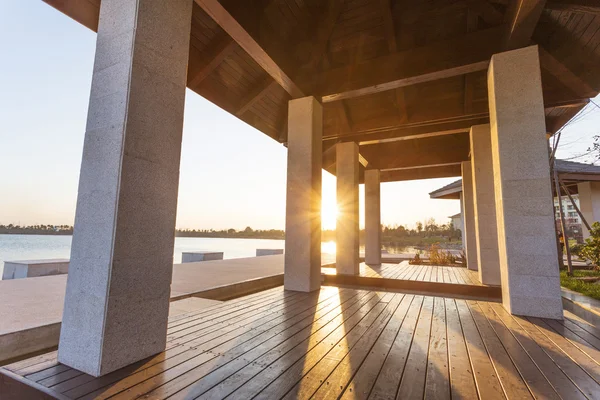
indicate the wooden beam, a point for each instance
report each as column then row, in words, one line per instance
column 421, row 173
column 582, row 6
column 414, row 153
column 409, row 81
column 556, row 123
column 568, row 78
column 324, row 30
column 485, row 11
column 229, row 24
column 87, row 13
column 443, row 59
column 522, row 18
column 472, row 25
column 259, row 91
column 220, row 51
column 343, row 116
column 415, row 136
column 388, row 24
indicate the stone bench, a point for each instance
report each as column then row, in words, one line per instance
column 33, row 268
column 195, row 256
column 268, row 252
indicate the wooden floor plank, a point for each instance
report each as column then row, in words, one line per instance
column 462, row 382
column 437, row 381
column 279, row 377
column 512, row 383
column 195, row 352
column 330, row 376
column 388, row 380
column 412, row 384
column 582, row 333
column 576, row 374
column 587, row 363
column 582, row 323
column 533, row 377
column 348, row 343
column 364, row 379
column 486, row 378
column 576, row 339
column 202, row 379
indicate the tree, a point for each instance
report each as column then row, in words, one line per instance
column 419, row 227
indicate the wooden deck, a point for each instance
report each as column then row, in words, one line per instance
column 417, row 279
column 423, row 273
column 342, row 343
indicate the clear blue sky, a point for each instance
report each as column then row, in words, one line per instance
column 232, row 176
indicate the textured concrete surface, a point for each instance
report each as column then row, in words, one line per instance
column 484, row 205
column 470, row 243
column 195, row 256
column 303, row 196
column 31, row 309
column 589, row 203
column 33, row 268
column 524, row 209
column 347, row 228
column 268, row 252
column 117, row 298
column 372, row 217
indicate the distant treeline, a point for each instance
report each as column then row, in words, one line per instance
column 423, row 233
column 247, row 233
column 36, row 229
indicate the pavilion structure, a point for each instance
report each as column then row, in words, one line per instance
column 370, row 90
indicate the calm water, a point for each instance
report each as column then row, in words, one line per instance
column 32, row 247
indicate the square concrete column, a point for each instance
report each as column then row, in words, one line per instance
column 117, row 296
column 484, row 205
column 589, row 203
column 347, row 165
column 463, row 237
column 524, row 208
column 303, row 211
column 470, row 236
column 372, row 217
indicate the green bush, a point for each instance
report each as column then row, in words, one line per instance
column 590, row 250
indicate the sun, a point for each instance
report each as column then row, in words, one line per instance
column 329, row 213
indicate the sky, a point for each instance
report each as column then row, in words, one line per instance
column 232, row 175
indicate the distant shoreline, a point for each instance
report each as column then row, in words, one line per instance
column 215, row 235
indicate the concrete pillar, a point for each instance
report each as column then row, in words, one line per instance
column 470, row 236
column 302, row 270
column 117, row 296
column 589, row 203
column 484, row 205
column 372, row 217
column 463, row 236
column 347, row 257
column 524, row 209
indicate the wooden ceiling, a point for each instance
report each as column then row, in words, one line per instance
column 405, row 79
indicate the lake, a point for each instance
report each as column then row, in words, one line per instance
column 33, row 247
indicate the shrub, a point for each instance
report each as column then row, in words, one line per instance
column 437, row 256
column 590, row 250
column 416, row 260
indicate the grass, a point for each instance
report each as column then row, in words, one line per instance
column 588, row 289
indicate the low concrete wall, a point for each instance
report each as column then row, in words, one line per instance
column 195, row 256
column 268, row 252
column 582, row 306
column 34, row 268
